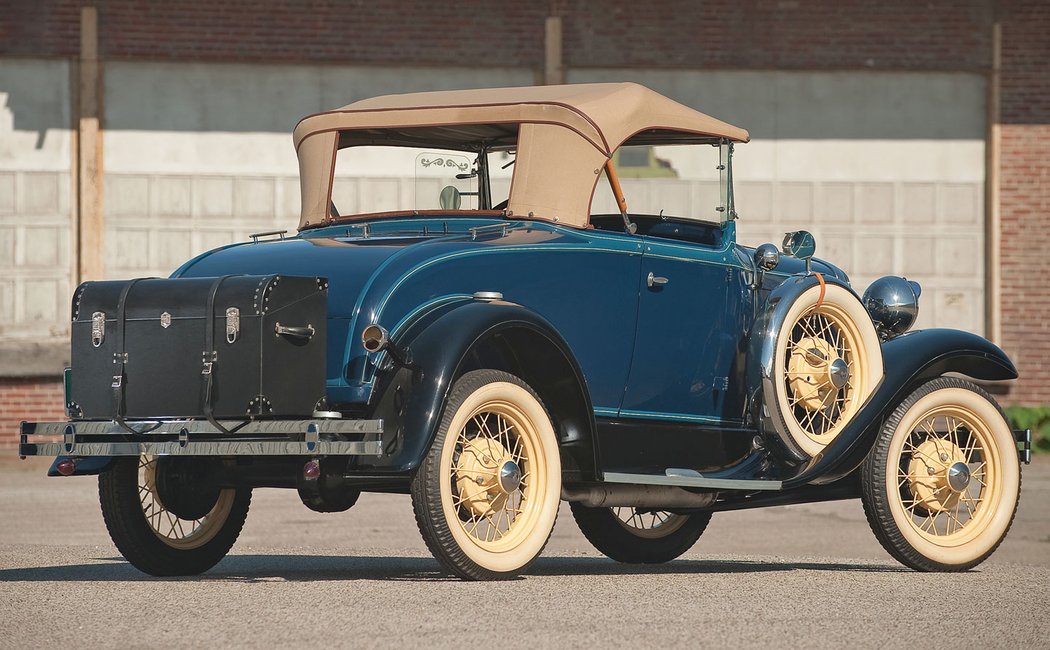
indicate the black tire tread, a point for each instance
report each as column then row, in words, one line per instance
column 135, row 539
column 876, row 500
column 600, row 527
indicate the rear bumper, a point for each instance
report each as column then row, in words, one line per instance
column 319, row 437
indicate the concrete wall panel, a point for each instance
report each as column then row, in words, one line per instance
column 171, row 196
column 253, row 198
column 7, row 193
column 126, row 195
column 35, row 197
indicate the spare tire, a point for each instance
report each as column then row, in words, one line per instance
column 820, row 360
column 828, row 361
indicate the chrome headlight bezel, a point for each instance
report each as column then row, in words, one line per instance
column 892, row 303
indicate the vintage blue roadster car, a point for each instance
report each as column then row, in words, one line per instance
column 501, row 332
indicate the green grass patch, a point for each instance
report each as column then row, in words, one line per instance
column 1036, row 418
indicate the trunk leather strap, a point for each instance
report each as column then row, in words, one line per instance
column 120, row 359
column 210, row 357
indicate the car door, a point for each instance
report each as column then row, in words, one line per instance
column 689, row 335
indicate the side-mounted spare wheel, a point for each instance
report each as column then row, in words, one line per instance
column 940, row 487
column 826, row 362
column 166, row 516
column 486, row 495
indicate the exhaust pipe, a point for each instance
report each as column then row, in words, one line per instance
column 638, row 496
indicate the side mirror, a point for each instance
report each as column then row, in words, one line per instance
column 800, row 244
column 450, row 198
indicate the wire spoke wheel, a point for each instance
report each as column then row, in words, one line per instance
column 490, row 471
column 186, row 535
column 487, row 494
column 649, row 524
column 941, row 486
column 946, row 473
column 828, row 360
column 821, row 378
column 173, row 530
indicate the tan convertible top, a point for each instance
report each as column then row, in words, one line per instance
column 563, row 136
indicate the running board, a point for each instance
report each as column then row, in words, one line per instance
column 691, row 478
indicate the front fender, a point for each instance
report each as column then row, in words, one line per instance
column 412, row 400
column 909, row 360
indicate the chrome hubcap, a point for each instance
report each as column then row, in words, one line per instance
column 838, row 373
column 509, row 477
column 958, row 477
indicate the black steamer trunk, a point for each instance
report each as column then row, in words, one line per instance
column 229, row 347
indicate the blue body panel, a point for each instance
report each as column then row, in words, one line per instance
column 589, row 284
column 584, row 282
column 669, row 358
column 691, row 324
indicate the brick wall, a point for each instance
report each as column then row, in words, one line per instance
column 469, row 32
column 898, row 34
column 781, row 34
column 1025, row 196
column 27, row 399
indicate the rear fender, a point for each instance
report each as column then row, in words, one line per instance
column 909, row 360
column 475, row 335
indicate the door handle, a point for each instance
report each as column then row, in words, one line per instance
column 655, row 281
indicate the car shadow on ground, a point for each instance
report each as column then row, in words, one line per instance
column 312, row 568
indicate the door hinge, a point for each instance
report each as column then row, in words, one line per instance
column 729, row 276
column 721, row 383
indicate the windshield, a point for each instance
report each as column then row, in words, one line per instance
column 372, row 179
column 685, row 181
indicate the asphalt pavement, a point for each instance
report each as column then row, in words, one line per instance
column 795, row 576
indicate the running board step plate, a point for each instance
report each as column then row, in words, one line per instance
column 691, row 478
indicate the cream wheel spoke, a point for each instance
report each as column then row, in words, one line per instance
column 954, row 430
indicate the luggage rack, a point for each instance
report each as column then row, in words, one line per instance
column 201, row 438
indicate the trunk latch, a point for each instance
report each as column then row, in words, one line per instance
column 233, row 324
column 98, row 328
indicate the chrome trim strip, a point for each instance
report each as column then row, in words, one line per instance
column 691, row 481
column 191, row 427
column 223, row 448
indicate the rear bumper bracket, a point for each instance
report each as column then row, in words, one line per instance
column 1024, row 444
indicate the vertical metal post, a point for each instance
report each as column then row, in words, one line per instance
column 992, row 223
column 553, row 72
column 89, row 219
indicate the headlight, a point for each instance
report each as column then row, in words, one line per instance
column 893, row 304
